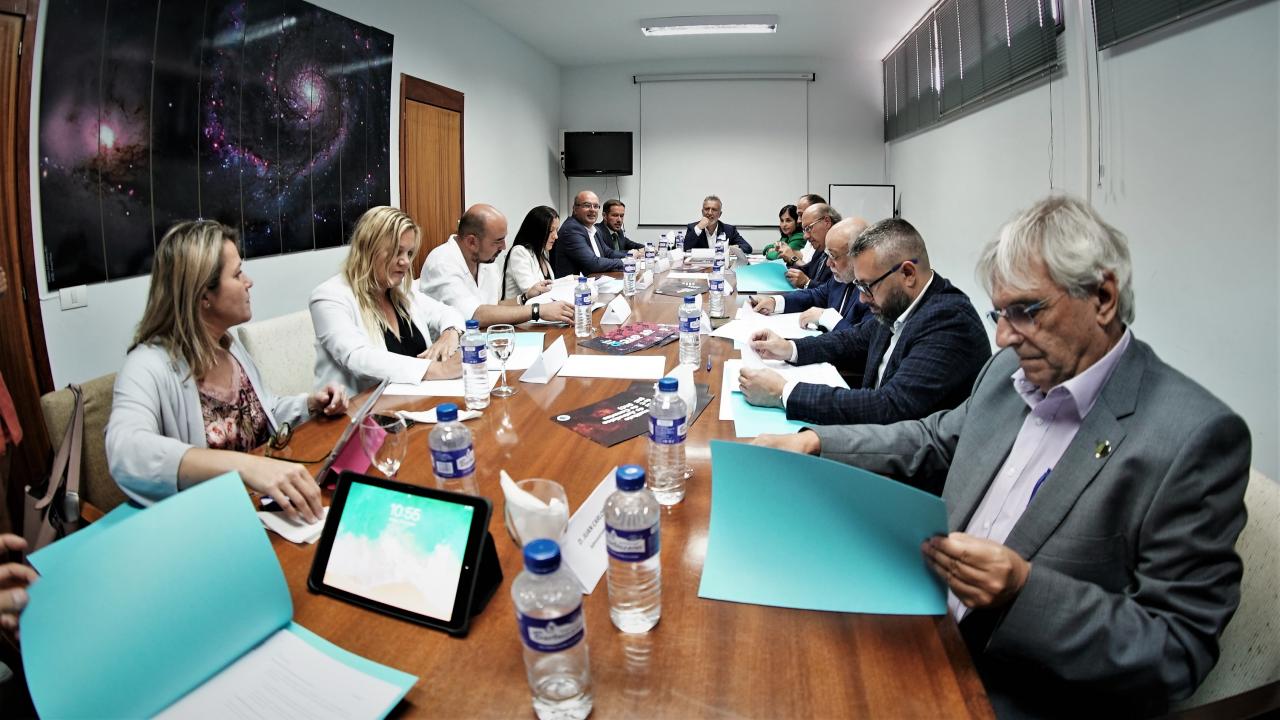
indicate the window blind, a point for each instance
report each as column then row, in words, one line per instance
column 1115, row 21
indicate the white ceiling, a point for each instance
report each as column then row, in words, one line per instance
column 575, row 33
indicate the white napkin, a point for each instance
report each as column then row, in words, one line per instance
column 295, row 531
column 532, row 517
column 429, row 416
column 704, row 326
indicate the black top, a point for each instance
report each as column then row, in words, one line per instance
column 411, row 341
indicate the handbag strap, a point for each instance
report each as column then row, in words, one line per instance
column 63, row 470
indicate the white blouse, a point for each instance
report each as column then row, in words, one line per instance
column 523, row 272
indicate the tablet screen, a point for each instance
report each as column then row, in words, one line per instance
column 399, row 549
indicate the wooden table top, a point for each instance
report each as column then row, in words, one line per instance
column 705, row 658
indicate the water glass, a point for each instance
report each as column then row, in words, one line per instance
column 501, row 340
column 385, row 439
column 525, row 523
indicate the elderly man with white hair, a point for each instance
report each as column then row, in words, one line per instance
column 1094, row 493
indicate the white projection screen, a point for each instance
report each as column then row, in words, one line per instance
column 746, row 141
column 872, row 203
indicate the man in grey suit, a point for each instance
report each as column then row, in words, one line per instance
column 1095, row 493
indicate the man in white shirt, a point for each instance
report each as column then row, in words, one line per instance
column 461, row 274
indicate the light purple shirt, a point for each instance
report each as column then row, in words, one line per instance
column 1046, row 432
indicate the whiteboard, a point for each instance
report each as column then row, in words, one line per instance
column 746, row 141
column 872, row 203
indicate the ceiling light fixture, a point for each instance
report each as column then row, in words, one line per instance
column 710, row 25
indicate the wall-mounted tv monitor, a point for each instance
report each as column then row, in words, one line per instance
column 597, row 153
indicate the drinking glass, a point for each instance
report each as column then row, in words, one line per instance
column 547, row 517
column 385, row 439
column 501, row 340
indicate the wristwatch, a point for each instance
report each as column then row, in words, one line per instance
column 536, row 314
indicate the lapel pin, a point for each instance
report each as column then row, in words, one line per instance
column 1102, row 449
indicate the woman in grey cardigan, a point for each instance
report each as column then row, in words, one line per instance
column 189, row 400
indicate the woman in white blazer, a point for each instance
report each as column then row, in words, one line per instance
column 189, row 399
column 527, row 269
column 372, row 323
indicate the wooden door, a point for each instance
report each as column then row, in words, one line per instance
column 430, row 160
column 24, row 360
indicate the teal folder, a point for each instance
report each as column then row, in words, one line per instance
column 750, row 420
column 797, row 531
column 126, row 620
column 763, row 277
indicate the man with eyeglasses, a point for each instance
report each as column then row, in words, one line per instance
column 580, row 245
column 920, row 357
column 1095, row 493
column 700, row 234
column 817, row 289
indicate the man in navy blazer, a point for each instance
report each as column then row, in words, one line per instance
column 696, row 234
column 921, row 356
column 580, row 246
column 610, row 228
column 827, row 302
column 815, row 221
column 1094, row 493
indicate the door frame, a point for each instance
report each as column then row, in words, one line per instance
column 419, row 90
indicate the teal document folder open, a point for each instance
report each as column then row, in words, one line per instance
column 797, row 531
column 185, row 598
column 751, row 420
column 763, row 277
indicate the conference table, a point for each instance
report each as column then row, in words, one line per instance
column 705, row 658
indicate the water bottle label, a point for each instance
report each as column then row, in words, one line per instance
column 454, row 463
column 631, row 545
column 553, row 634
column 717, row 286
column 691, row 324
column 629, row 265
column 475, row 354
column 648, row 252
column 582, row 299
column 667, row 432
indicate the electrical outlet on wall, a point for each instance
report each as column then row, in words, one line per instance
column 74, row 297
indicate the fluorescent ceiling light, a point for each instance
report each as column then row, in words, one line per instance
column 710, row 25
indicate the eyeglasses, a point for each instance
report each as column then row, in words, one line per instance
column 1020, row 315
column 809, row 228
column 589, row 206
column 865, row 288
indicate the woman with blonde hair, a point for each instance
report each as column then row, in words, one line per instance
column 372, row 323
column 189, row 400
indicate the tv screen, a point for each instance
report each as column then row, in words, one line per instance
column 597, row 153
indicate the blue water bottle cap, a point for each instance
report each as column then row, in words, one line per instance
column 542, row 556
column 581, row 278
column 473, row 324
column 630, row 478
column 446, row 412
column 668, row 384
column 688, row 299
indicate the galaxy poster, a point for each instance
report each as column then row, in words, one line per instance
column 630, row 338
column 623, row 416
column 273, row 117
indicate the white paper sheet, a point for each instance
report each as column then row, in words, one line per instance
column 627, row 367
column 435, row 388
column 286, row 678
column 295, row 531
column 817, row 373
column 547, row 364
column 583, row 548
column 787, row 325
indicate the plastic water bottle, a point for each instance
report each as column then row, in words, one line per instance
column 628, row 276
column 475, row 367
column 582, row 308
column 664, row 248
column 690, row 327
column 631, row 521
column 650, row 256
column 554, row 634
column 721, row 249
column 715, row 292
column 668, row 419
column 453, row 458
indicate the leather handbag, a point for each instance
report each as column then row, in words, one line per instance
column 53, row 511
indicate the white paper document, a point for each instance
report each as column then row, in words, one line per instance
column 627, row 367
column 616, row 312
column 583, row 548
column 786, row 325
column 435, row 388
column 295, row 531
column 286, row 678
column 818, row 373
column 547, row 364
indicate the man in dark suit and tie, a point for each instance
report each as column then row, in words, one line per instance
column 825, row 301
column 921, row 357
column 815, row 221
column 580, row 245
column 1094, row 493
column 701, row 234
column 615, row 213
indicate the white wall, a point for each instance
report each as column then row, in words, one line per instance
column 1189, row 153
column 511, row 141
column 844, row 124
